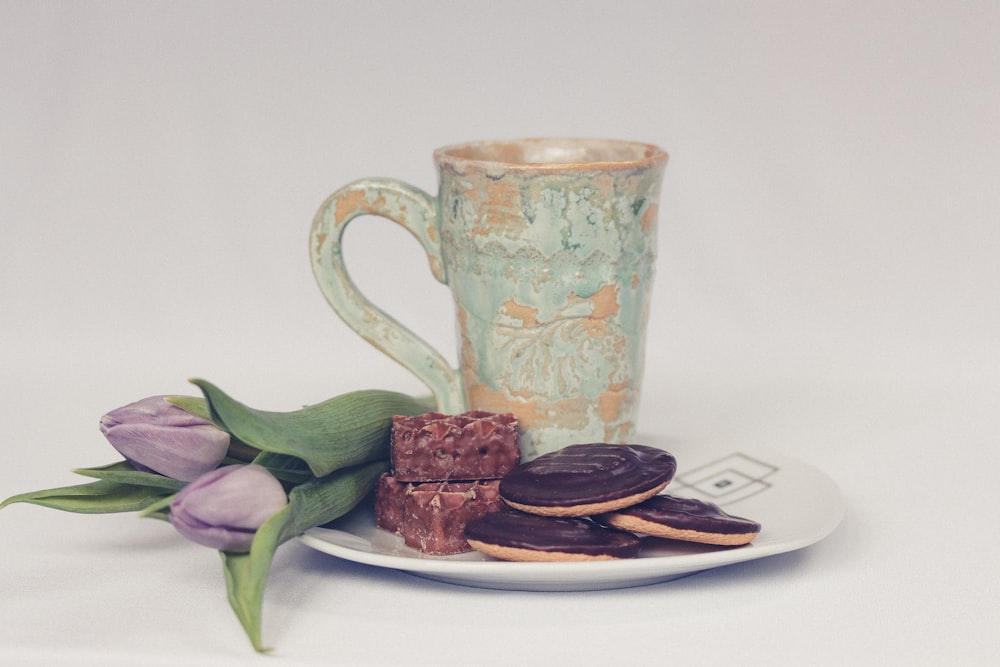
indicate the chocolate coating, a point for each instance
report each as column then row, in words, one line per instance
column 587, row 474
column 689, row 514
column 509, row 528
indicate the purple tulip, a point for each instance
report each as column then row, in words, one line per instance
column 156, row 435
column 224, row 508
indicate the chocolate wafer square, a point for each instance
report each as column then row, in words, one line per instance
column 434, row 447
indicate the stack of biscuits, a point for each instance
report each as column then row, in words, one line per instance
column 445, row 471
column 591, row 502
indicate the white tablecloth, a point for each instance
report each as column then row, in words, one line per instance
column 827, row 288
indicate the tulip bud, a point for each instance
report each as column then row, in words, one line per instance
column 156, row 435
column 224, row 508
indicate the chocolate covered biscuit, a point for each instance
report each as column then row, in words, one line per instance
column 580, row 480
column 685, row 519
column 512, row 535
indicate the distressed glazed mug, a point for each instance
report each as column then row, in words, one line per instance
column 548, row 247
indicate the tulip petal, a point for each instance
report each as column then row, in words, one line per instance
column 215, row 537
column 223, row 508
column 156, row 435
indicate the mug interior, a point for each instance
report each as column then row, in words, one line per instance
column 561, row 152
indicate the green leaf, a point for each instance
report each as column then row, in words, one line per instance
column 124, row 473
column 327, row 498
column 104, row 496
column 158, row 510
column 246, row 576
column 284, row 467
column 344, row 431
column 196, row 405
column 311, row 504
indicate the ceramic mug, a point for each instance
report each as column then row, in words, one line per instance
column 548, row 247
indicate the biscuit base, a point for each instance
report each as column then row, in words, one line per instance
column 637, row 525
column 588, row 508
column 533, row 555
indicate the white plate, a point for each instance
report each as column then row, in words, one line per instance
column 795, row 504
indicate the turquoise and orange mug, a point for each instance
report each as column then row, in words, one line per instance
column 548, row 246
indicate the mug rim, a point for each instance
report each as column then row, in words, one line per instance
column 463, row 155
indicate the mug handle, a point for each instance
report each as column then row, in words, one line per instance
column 416, row 211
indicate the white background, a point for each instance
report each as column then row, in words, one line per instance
column 827, row 287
